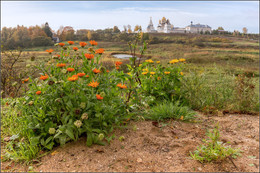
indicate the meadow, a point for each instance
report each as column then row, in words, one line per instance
column 182, row 81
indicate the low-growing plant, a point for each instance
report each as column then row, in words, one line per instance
column 213, row 149
column 169, row 110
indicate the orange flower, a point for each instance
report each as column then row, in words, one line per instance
column 61, row 44
column 73, row 78
column 70, row 69
column 87, row 75
column 71, row 42
column 61, row 65
column 57, row 55
column 81, row 74
column 93, row 42
column 38, row 92
column 96, row 71
column 89, row 56
column 100, row 51
column 6, row 103
column 117, row 67
column 25, row 80
column 93, row 84
column 118, row 63
column 75, row 48
column 82, row 44
column 50, row 51
column 44, row 77
column 99, row 97
column 107, row 71
column 121, row 86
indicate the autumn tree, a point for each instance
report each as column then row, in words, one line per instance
column 244, row 31
column 116, row 30
column 129, row 30
column 220, row 28
column 89, row 35
column 138, row 28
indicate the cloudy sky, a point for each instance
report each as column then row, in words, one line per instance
column 231, row 15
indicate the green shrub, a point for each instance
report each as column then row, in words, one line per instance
column 213, row 150
column 169, row 110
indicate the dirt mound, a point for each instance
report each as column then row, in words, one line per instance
column 163, row 147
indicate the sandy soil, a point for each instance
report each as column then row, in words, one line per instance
column 151, row 148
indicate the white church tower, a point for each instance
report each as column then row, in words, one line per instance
column 150, row 27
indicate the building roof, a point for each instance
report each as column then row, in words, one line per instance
column 199, row 26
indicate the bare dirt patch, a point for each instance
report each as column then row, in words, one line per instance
column 150, row 148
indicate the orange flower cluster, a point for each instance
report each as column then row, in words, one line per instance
column 87, row 75
column 71, row 42
column 44, row 77
column 25, row 80
column 75, row 48
column 50, row 51
column 61, row 65
column 38, row 92
column 118, row 63
column 99, row 97
column 70, row 69
column 82, row 44
column 89, row 56
column 93, row 42
column 121, row 86
column 100, row 51
column 62, row 44
column 73, row 78
column 93, row 84
column 96, row 71
column 81, row 74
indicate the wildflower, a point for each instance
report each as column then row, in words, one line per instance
column 38, row 92
column 93, row 84
column 144, row 73
column 73, row 78
column 152, row 73
column 121, row 86
column 140, row 65
column 159, row 78
column 181, row 73
column 82, row 44
column 75, row 48
column 117, row 67
column 96, row 71
column 103, row 94
column 50, row 51
column 25, row 80
column 182, row 60
column 99, row 97
column 129, row 74
column 101, row 136
column 61, row 65
column 91, row 49
column 118, row 63
column 84, row 116
column 6, row 103
column 87, row 75
column 78, row 123
column 107, row 71
column 62, row 44
column 149, row 60
column 63, row 71
column 167, row 72
column 71, row 42
column 174, row 61
column 81, row 74
column 145, row 70
column 30, row 103
column 93, row 42
column 89, row 56
column 52, row 131
column 158, row 62
column 100, row 51
column 70, row 69
column 44, row 77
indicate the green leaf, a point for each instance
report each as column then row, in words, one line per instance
column 69, row 132
column 50, row 145
column 48, row 140
column 89, row 139
column 62, row 139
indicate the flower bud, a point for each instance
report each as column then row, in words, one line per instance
column 52, row 131
column 78, row 123
column 101, row 136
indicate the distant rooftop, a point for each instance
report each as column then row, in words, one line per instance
column 199, row 26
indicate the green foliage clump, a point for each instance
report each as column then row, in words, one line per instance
column 213, row 149
column 167, row 110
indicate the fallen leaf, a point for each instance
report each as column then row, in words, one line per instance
column 139, row 160
column 99, row 151
column 54, row 152
column 181, row 118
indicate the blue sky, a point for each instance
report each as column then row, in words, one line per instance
column 231, row 15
